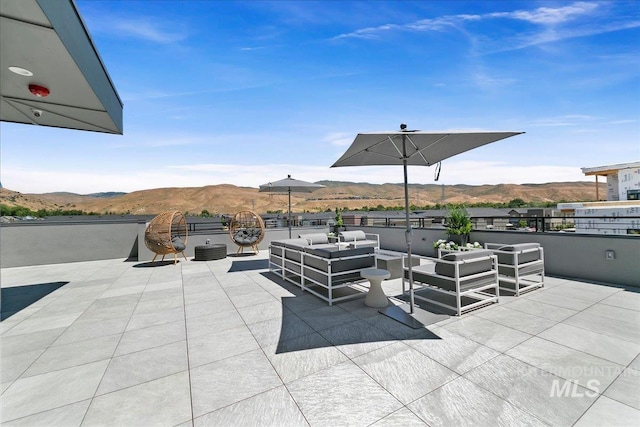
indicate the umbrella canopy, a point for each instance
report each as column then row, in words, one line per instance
column 289, row 185
column 414, row 148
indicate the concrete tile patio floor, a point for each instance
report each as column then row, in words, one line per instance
column 226, row 343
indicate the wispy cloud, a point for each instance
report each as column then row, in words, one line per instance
column 549, row 15
column 565, row 120
column 465, row 172
column 340, row 139
column 554, row 24
column 251, row 49
column 487, row 82
column 622, row 122
column 550, row 35
column 158, row 140
column 423, row 25
column 149, row 30
column 154, row 94
column 370, row 33
column 198, row 175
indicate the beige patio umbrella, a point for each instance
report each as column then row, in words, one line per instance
column 289, row 185
column 416, row 148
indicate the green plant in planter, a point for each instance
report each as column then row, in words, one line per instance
column 458, row 223
column 338, row 218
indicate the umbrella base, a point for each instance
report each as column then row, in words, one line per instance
column 416, row 320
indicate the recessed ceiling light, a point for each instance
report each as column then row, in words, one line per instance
column 21, row 71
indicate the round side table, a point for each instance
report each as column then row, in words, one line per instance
column 375, row 297
column 211, row 252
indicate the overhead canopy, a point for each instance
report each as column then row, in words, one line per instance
column 422, row 148
column 50, row 46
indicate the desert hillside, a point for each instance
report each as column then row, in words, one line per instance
column 229, row 198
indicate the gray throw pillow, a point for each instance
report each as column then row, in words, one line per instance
column 178, row 244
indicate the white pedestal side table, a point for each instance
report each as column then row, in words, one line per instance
column 375, row 297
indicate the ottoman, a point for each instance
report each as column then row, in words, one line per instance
column 211, row 252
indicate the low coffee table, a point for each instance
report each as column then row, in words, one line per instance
column 211, row 252
column 376, row 296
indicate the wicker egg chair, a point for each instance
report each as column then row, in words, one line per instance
column 246, row 229
column 167, row 234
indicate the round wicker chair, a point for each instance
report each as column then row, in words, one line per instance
column 246, row 229
column 167, row 234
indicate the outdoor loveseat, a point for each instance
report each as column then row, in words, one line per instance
column 459, row 281
column 520, row 266
column 321, row 268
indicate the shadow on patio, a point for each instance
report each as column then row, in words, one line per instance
column 16, row 298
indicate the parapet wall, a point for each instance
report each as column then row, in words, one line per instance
column 37, row 243
column 573, row 255
column 602, row 258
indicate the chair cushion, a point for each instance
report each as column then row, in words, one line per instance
column 295, row 243
column 335, row 252
column 522, row 257
column 363, row 243
column 350, row 236
column 356, row 259
column 323, row 246
column 178, row 244
column 467, row 263
column 315, row 238
column 466, row 255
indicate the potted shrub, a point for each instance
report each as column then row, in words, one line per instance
column 458, row 225
column 338, row 224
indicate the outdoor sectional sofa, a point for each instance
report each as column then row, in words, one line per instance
column 321, row 268
column 459, row 281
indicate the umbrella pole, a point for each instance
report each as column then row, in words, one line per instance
column 398, row 313
column 408, row 232
column 289, row 217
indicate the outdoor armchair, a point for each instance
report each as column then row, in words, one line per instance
column 246, row 230
column 459, row 281
column 167, row 234
column 359, row 239
column 520, row 266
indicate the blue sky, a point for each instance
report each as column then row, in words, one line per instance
column 247, row 92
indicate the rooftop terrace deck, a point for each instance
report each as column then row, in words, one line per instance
column 227, row 343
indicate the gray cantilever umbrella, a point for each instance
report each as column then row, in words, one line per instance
column 289, row 185
column 417, row 148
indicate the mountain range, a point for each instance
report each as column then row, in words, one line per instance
column 227, row 198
